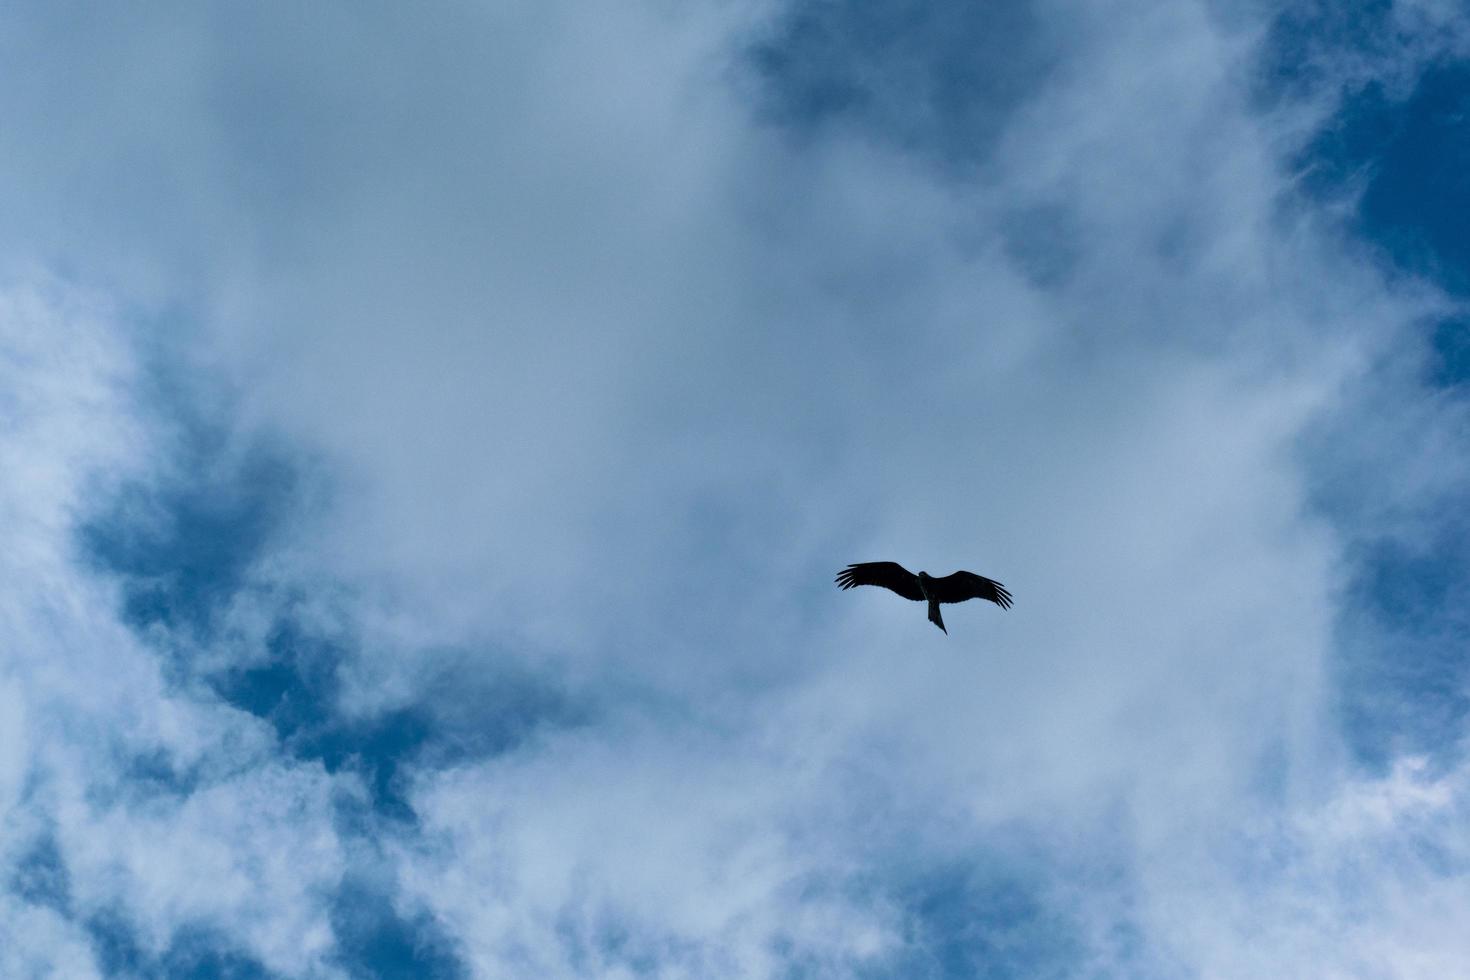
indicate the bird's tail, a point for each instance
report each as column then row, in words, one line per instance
column 934, row 616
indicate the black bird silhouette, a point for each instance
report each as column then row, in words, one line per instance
column 925, row 587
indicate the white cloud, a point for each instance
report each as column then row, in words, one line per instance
column 596, row 853
column 257, row 854
column 1368, row 882
column 41, row 943
column 603, row 366
column 252, row 849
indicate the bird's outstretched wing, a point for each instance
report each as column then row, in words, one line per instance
column 967, row 585
column 888, row 574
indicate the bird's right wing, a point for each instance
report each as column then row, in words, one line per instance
column 967, row 585
column 888, row 574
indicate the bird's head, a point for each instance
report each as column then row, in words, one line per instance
column 925, row 577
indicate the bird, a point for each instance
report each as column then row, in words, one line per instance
column 924, row 587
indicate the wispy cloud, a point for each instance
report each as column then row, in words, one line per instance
column 438, row 432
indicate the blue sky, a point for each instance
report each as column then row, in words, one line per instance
column 430, row 435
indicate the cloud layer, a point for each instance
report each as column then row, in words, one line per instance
column 439, row 432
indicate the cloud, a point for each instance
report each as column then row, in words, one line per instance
column 597, row 854
column 1367, row 882
column 132, row 802
column 446, row 425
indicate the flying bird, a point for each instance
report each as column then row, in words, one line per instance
column 924, row 587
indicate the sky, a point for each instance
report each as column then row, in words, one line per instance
column 428, row 434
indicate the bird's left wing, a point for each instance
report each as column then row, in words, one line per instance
column 967, row 585
column 887, row 574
